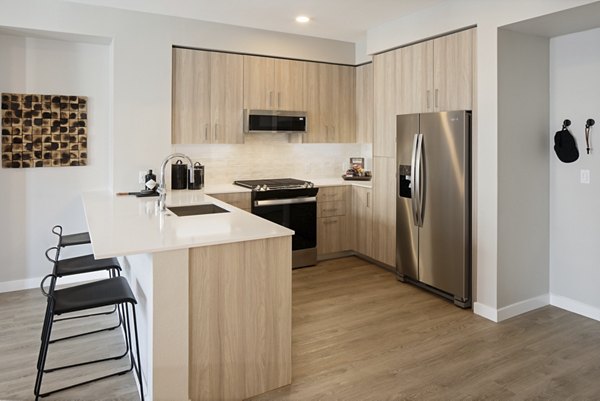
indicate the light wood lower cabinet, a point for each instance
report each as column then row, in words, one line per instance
column 242, row 200
column 332, row 220
column 240, row 319
column 361, row 230
column 384, row 210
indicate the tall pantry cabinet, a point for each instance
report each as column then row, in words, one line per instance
column 432, row 76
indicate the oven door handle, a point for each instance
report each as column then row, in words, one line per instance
column 287, row 201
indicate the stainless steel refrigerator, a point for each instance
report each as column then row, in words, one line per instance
column 433, row 203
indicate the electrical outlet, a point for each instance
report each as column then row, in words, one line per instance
column 584, row 176
column 141, row 177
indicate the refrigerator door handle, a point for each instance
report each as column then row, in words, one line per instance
column 414, row 185
column 421, row 175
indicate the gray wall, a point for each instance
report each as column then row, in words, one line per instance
column 575, row 207
column 523, row 176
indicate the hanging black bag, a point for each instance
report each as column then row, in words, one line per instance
column 565, row 145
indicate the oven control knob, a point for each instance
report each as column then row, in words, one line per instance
column 264, row 188
column 256, row 188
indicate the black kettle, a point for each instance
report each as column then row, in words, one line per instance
column 198, row 177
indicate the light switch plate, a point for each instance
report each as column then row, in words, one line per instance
column 584, row 176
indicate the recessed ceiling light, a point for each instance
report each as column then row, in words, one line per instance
column 303, row 19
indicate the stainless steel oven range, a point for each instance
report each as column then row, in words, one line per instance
column 293, row 204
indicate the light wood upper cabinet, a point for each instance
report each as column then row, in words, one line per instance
column 330, row 103
column 436, row 75
column 226, row 97
column 385, row 74
column 207, row 97
column 191, row 102
column 453, row 71
column 364, row 103
column 273, row 84
column 415, row 86
column 384, row 210
column 289, row 81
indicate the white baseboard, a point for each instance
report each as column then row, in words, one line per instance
column 522, row 307
column 498, row 315
column 28, row 283
column 574, row 306
column 485, row 311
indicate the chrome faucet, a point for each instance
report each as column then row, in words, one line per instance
column 162, row 190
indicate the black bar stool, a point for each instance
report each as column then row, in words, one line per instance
column 112, row 291
column 80, row 265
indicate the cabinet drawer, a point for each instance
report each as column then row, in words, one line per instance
column 332, row 235
column 241, row 200
column 328, row 194
column 329, row 209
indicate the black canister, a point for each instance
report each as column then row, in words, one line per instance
column 198, row 177
column 179, row 175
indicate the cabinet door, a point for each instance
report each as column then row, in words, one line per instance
column 191, row 96
column 227, row 74
column 384, row 210
column 362, row 221
column 364, row 103
column 415, row 86
column 312, row 82
column 384, row 72
column 259, row 85
column 289, row 85
column 343, row 96
column 453, row 71
column 328, row 108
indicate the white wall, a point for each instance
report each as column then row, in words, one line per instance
column 35, row 199
column 523, row 174
column 574, row 207
column 488, row 15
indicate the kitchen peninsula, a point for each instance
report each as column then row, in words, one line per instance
column 213, row 291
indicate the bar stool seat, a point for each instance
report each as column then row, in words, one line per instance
column 71, row 239
column 93, row 295
column 85, row 264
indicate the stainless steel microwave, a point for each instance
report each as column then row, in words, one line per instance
column 274, row 121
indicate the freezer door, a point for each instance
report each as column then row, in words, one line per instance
column 444, row 238
column 407, row 127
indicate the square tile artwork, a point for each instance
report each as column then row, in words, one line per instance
column 43, row 130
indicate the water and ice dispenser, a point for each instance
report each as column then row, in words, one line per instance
column 404, row 181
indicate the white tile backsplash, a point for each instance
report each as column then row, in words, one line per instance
column 267, row 155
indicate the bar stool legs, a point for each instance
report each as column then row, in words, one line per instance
column 112, row 291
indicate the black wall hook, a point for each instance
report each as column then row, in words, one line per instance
column 566, row 123
column 588, row 125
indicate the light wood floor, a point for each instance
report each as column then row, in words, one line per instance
column 358, row 334
column 21, row 316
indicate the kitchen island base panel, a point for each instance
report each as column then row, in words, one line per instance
column 240, row 317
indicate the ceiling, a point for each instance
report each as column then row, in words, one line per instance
column 345, row 20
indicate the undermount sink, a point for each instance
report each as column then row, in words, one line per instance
column 194, row 210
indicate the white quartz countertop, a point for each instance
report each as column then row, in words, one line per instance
column 333, row 182
column 126, row 225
